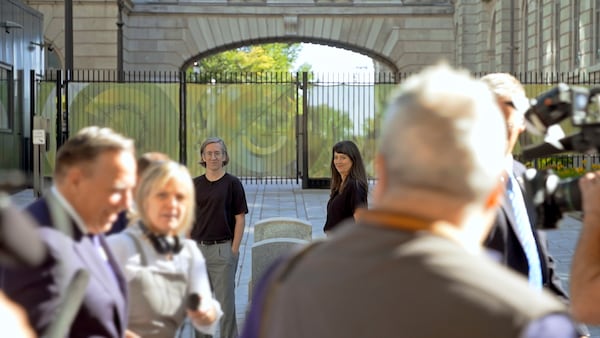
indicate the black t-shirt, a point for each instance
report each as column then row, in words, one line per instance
column 342, row 205
column 217, row 203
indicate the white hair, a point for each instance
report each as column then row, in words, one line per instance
column 444, row 132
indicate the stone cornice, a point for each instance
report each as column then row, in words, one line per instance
column 359, row 9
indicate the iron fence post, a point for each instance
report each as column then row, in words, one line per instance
column 182, row 119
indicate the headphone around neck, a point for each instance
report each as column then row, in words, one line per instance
column 163, row 244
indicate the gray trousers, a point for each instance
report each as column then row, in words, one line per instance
column 221, row 264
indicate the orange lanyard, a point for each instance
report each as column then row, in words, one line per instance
column 393, row 220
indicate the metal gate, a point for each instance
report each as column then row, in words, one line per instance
column 279, row 127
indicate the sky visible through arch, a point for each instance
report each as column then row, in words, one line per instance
column 326, row 59
column 343, row 80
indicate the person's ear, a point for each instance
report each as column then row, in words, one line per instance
column 74, row 175
column 71, row 181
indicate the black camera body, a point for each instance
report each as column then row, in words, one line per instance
column 551, row 195
column 560, row 102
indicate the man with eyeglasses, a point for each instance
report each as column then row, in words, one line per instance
column 513, row 235
column 219, row 226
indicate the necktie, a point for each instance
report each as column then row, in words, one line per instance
column 525, row 233
column 102, row 253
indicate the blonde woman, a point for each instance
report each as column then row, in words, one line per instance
column 162, row 268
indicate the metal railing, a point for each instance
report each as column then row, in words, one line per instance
column 279, row 127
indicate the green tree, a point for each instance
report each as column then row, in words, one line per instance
column 326, row 125
column 273, row 58
column 305, row 67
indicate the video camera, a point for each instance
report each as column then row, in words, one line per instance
column 551, row 195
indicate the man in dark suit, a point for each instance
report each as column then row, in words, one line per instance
column 93, row 177
column 515, row 238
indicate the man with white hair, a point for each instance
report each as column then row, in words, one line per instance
column 513, row 235
column 413, row 265
column 521, row 247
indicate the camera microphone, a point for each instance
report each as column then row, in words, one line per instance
column 567, row 143
column 193, row 302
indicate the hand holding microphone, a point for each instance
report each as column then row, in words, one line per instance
column 193, row 302
column 198, row 316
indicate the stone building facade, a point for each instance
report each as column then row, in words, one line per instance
column 528, row 35
column 403, row 35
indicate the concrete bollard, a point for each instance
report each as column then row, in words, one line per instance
column 282, row 227
column 274, row 237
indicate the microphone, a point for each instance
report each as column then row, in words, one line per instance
column 550, row 148
column 541, row 150
column 193, row 302
column 20, row 243
column 70, row 303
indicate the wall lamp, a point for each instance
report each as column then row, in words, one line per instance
column 8, row 25
column 43, row 45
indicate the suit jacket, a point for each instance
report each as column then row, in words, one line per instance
column 435, row 278
column 503, row 239
column 103, row 311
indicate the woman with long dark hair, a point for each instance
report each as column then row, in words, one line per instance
column 349, row 185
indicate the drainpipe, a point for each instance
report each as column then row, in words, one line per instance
column 512, row 37
column 120, row 74
column 68, row 38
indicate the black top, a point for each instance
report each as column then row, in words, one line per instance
column 217, row 203
column 342, row 205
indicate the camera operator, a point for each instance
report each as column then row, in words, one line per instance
column 513, row 235
column 585, row 270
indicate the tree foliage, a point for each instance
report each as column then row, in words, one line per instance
column 273, row 57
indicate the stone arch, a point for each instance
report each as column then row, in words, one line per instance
column 166, row 35
column 53, row 56
column 404, row 43
column 357, row 49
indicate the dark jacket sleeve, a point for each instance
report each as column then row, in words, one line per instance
column 552, row 281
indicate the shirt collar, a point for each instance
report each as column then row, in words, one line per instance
column 508, row 165
column 70, row 210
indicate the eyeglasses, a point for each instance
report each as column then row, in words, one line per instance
column 510, row 104
column 210, row 154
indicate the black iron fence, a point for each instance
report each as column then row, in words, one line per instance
column 279, row 127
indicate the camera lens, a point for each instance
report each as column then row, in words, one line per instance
column 567, row 195
column 580, row 101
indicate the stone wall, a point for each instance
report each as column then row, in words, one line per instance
column 94, row 31
column 170, row 35
column 481, row 35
